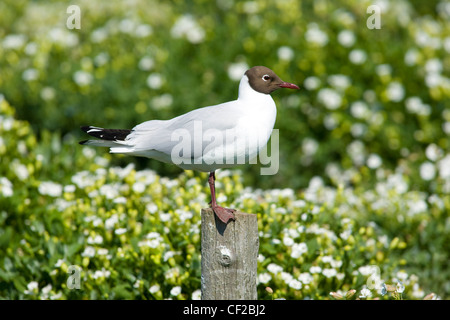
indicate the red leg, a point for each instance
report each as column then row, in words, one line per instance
column 224, row 214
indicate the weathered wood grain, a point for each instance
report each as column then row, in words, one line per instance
column 229, row 257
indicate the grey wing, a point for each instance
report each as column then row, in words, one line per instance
column 164, row 135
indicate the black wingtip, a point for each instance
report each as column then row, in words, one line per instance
column 83, row 142
column 85, row 128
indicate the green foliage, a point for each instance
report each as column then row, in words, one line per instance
column 136, row 235
column 386, row 89
column 364, row 174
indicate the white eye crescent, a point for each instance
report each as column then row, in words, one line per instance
column 266, row 77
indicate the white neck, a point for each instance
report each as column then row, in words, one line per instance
column 246, row 92
column 260, row 106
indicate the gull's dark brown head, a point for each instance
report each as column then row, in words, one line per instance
column 264, row 80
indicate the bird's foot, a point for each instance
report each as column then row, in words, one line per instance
column 224, row 214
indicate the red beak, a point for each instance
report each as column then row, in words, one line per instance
column 288, row 85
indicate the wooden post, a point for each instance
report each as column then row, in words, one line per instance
column 229, row 257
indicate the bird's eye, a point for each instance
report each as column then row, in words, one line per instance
column 266, row 77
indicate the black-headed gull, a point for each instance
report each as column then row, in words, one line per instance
column 205, row 139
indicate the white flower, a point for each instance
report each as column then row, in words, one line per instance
column 101, row 59
column 396, row 182
column 423, row 39
column 274, row 268
column 329, row 98
column 99, row 35
column 264, row 277
column 46, row 290
column 102, row 252
column 50, row 188
column 400, row 287
column 336, row 263
column 154, row 289
column 83, row 179
column 299, row 204
column 416, row 106
column 339, row 81
column 446, row 127
column 154, row 81
column 306, row 277
column 295, row 284
column 367, row 270
column 14, row 41
column 447, row 44
column 356, row 151
column 151, row 207
column 433, row 152
column 360, row 110
column 162, row 102
column 433, row 66
column 88, row 252
column 444, row 167
column 32, row 287
column 383, row 70
column 59, row 263
column 237, row 70
column 165, row 216
column 120, row 231
column 286, row 277
column 288, row 241
column 250, row 7
column 82, row 78
column 292, row 232
column 395, row 91
column 427, row 171
column 346, row 38
column 143, row 30
column 101, row 273
column 6, row 123
column 196, row 295
column 358, row 129
column 126, row 25
column 175, row 291
column 187, row 27
column 315, row 269
column 109, row 191
column 48, row 93
column 30, row 74
column 298, row 249
column 111, row 221
column 357, row 56
column 411, row 57
column 184, row 215
column 402, row 275
column 121, row 200
column 98, row 239
column 63, row 37
column 138, row 187
column 21, row 171
column 374, row 161
column 146, row 63
column 315, row 35
column 309, row 146
column 285, row 53
column 329, row 272
column 433, row 80
column 365, row 293
column 311, row 83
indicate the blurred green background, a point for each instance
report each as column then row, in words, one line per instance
column 385, row 92
column 373, row 102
